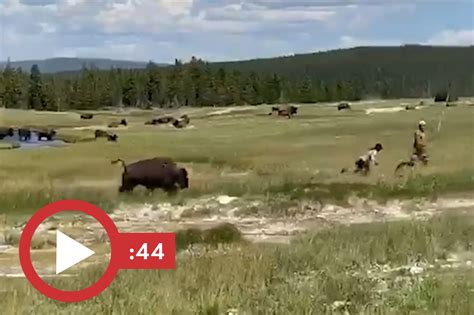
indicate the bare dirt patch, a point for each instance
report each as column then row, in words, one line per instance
column 209, row 212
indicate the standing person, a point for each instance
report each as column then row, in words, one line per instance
column 420, row 144
column 364, row 162
column 419, row 147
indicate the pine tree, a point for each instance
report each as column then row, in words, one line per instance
column 130, row 95
column 12, row 92
column 36, row 98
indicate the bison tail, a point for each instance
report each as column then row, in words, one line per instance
column 123, row 164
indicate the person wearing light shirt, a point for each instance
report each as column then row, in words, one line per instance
column 365, row 161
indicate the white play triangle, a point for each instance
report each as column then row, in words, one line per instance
column 69, row 252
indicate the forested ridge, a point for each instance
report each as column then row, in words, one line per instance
column 63, row 64
column 346, row 74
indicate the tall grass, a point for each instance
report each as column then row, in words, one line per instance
column 298, row 157
column 311, row 276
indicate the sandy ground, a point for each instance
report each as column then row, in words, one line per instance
column 209, row 212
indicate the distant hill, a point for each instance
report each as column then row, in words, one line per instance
column 419, row 60
column 399, row 67
column 55, row 65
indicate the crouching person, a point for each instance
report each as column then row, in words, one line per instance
column 363, row 164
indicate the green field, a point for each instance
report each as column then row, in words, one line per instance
column 397, row 268
column 271, row 154
column 246, row 153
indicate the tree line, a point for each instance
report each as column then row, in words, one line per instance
column 197, row 83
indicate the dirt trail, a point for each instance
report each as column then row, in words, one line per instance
column 208, row 212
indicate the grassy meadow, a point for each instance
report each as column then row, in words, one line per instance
column 243, row 152
column 396, row 268
column 361, row 269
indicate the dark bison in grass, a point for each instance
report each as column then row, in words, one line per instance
column 6, row 132
column 153, row 173
column 104, row 134
column 285, row 111
column 160, row 120
column 46, row 134
column 115, row 124
column 343, row 106
column 100, row 133
column 87, row 116
column 182, row 122
column 112, row 138
column 24, row 134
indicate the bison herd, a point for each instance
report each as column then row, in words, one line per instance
column 153, row 173
column 24, row 134
column 179, row 123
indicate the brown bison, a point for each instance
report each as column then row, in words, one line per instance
column 87, row 116
column 112, row 137
column 161, row 120
column 150, row 122
column 343, row 106
column 100, row 133
column 44, row 133
column 286, row 111
column 6, row 132
column 165, row 120
column 182, row 122
column 185, row 118
column 153, row 173
column 24, row 134
column 115, row 124
column 104, row 134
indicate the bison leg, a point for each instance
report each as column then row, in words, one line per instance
column 127, row 185
column 126, row 188
column 173, row 190
column 150, row 189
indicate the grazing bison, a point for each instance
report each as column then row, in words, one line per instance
column 285, row 111
column 165, row 120
column 343, row 106
column 112, row 138
column 115, row 124
column 100, row 133
column 185, row 118
column 274, row 109
column 181, row 123
column 150, row 122
column 153, row 173
column 87, row 116
column 104, row 134
column 48, row 134
column 24, row 134
column 6, row 132
column 288, row 111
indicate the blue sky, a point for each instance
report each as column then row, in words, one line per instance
column 161, row 30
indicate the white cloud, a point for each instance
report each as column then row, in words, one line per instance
column 450, row 37
column 241, row 12
column 212, row 29
column 349, row 41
